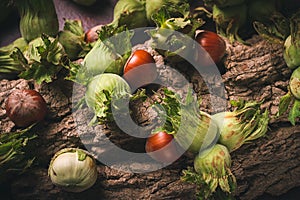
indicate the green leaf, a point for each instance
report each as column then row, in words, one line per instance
column 176, row 23
column 45, row 57
column 189, row 175
column 284, row 103
column 77, row 73
column 168, row 12
column 183, row 9
column 140, row 94
column 294, row 112
column 13, row 153
column 74, row 26
column 54, row 53
column 110, row 30
column 81, row 155
column 7, row 64
column 45, row 39
column 161, row 16
column 40, row 73
column 237, row 103
column 109, row 54
column 276, row 30
column 165, row 36
column 18, row 56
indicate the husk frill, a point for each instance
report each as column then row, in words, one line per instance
column 37, row 17
column 212, row 174
column 194, row 130
column 246, row 123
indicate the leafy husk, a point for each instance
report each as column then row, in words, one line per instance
column 294, row 112
column 212, row 174
column 230, row 20
column 130, row 13
column 37, row 17
column 291, row 52
column 171, row 38
column 291, row 98
column 244, row 124
column 105, row 91
column 77, row 176
column 7, row 64
column 110, row 52
column 275, row 29
column 193, row 129
column 72, row 39
column 294, row 83
column 152, row 7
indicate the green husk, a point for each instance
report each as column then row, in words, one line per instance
column 110, row 51
column 166, row 38
column 164, row 19
column 229, row 20
column 291, row 53
column 102, row 59
column 131, row 13
column 294, row 112
column 244, row 124
column 212, row 173
column 153, row 6
column 37, row 17
column 73, row 169
column 197, row 133
column 14, row 159
column 193, row 129
column 7, row 64
column 295, row 83
column 72, row 39
column 291, row 98
column 101, row 91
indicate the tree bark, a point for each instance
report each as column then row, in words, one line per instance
column 268, row 165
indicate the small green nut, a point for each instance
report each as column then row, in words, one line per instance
column 131, row 13
column 291, row 53
column 295, row 83
column 72, row 169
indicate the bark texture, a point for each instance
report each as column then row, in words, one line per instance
column 268, row 165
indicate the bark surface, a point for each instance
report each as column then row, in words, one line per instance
column 268, row 165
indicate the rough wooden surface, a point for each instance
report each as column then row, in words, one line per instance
column 269, row 165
